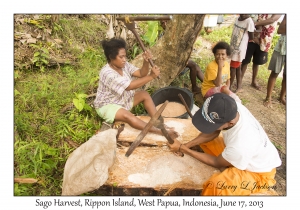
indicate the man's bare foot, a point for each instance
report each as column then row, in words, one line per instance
column 282, row 101
column 256, row 86
column 196, row 89
column 238, row 90
column 267, row 102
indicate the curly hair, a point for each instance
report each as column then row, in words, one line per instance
column 111, row 47
column 222, row 46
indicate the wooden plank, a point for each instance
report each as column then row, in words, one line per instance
column 184, row 127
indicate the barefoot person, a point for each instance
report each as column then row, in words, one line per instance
column 242, row 33
column 116, row 93
column 261, row 45
column 277, row 62
column 217, row 73
column 246, row 157
column 195, row 72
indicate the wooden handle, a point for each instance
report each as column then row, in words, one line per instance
column 186, row 106
column 146, row 129
column 141, row 44
column 130, row 27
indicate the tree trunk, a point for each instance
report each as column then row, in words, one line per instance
column 172, row 51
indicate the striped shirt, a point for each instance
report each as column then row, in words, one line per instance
column 112, row 85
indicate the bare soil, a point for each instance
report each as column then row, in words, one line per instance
column 272, row 119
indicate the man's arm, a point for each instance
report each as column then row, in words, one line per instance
column 282, row 26
column 268, row 21
column 202, row 138
column 217, row 162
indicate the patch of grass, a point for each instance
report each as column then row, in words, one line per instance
column 41, row 129
column 218, row 34
column 244, row 101
column 278, row 146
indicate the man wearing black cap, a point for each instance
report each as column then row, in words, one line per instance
column 233, row 141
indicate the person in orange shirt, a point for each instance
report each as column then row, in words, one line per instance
column 246, row 157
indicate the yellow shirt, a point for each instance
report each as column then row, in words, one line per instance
column 210, row 74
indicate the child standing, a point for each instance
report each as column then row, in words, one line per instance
column 217, row 73
column 277, row 63
column 243, row 31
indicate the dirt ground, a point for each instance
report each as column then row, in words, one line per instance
column 272, row 119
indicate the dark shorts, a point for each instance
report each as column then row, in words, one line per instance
column 259, row 57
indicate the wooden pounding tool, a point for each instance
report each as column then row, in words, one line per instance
column 130, row 24
column 185, row 105
column 143, row 133
column 159, row 123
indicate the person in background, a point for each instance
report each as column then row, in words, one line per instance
column 195, row 72
column 246, row 157
column 258, row 49
column 116, row 93
column 242, row 33
column 217, row 73
column 277, row 62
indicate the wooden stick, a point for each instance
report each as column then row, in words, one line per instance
column 186, row 106
column 25, row 180
column 146, row 129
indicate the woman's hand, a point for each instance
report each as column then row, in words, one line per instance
column 155, row 72
column 147, row 55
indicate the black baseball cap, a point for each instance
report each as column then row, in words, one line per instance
column 217, row 110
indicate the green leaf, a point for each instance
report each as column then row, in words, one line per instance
column 36, row 54
column 45, row 50
column 152, row 32
column 44, row 55
column 44, row 61
column 87, row 107
column 78, row 104
column 34, row 46
column 16, row 92
column 35, row 59
column 81, row 95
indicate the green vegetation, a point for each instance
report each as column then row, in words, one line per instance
column 218, row 34
column 43, row 128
